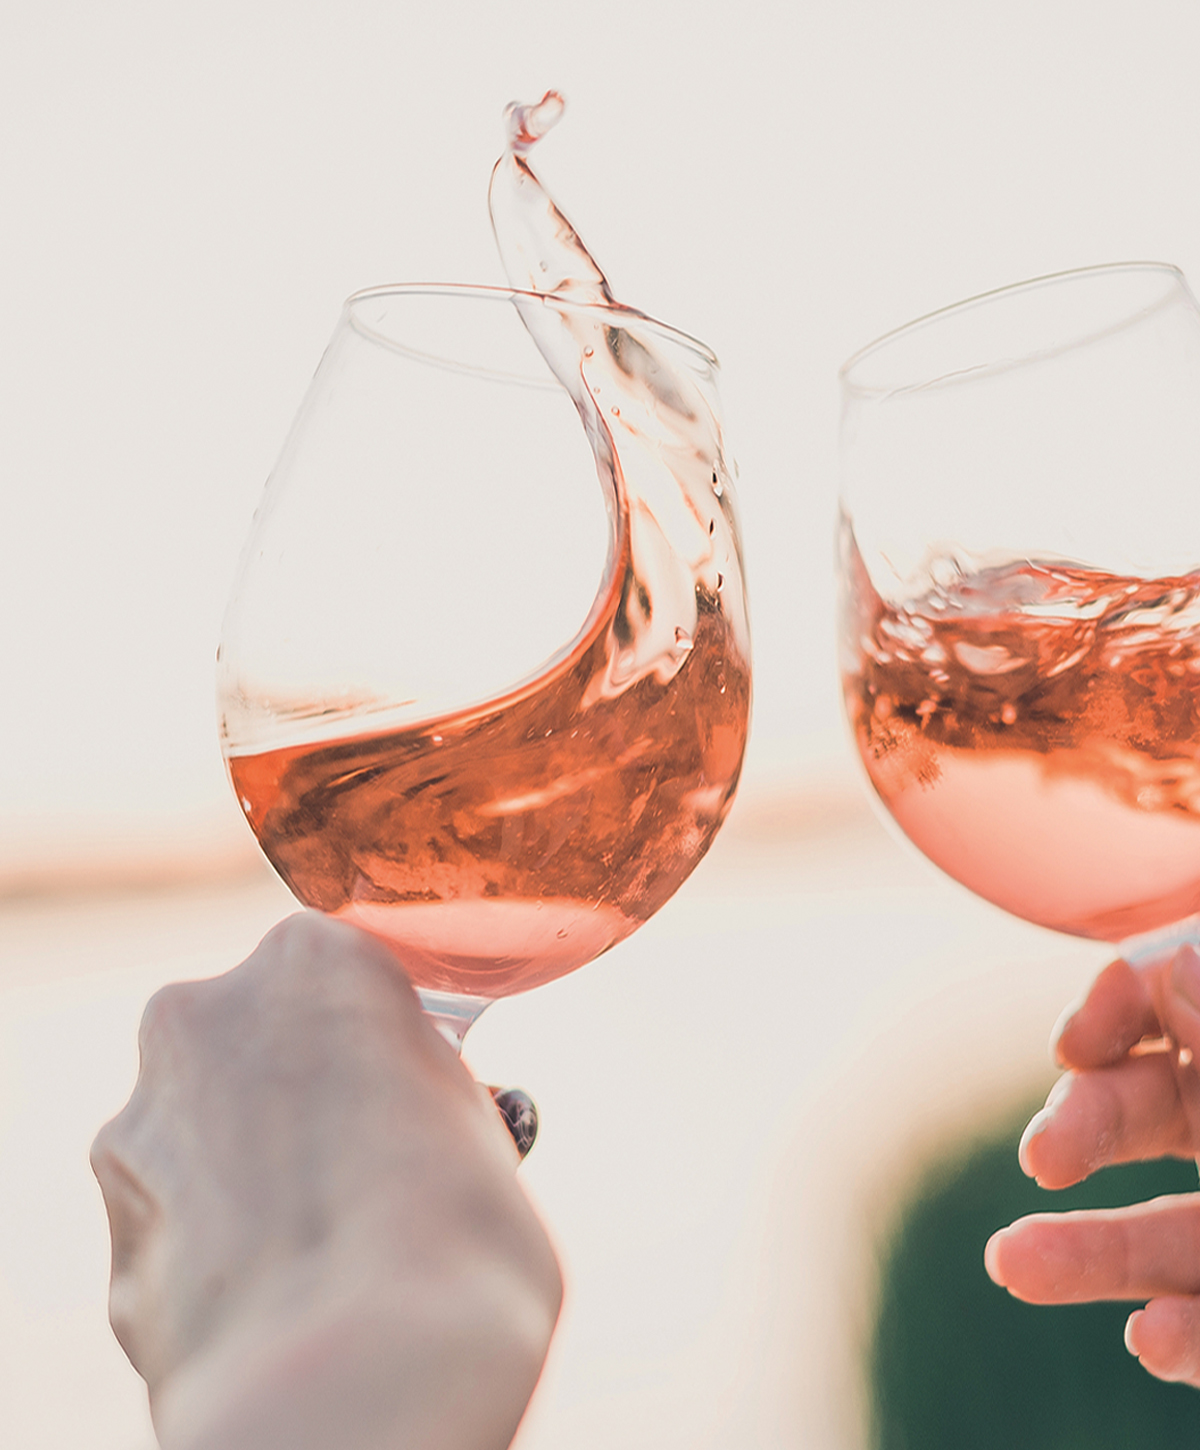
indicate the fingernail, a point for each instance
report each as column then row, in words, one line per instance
column 1130, row 1329
column 1037, row 1125
column 1185, row 975
column 1042, row 1120
column 991, row 1257
column 520, row 1115
column 1059, row 1031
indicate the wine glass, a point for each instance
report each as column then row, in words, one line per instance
column 470, row 700
column 1020, row 569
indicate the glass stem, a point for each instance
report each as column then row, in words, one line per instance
column 452, row 1014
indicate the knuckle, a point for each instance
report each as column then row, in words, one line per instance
column 177, row 1029
column 299, row 946
column 326, row 958
column 165, row 1011
column 119, row 1142
column 293, row 931
column 1111, row 1120
column 104, row 1151
column 307, row 932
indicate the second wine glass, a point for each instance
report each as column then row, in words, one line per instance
column 1021, row 590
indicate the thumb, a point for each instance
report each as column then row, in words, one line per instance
column 1181, row 1018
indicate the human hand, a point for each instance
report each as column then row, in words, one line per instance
column 1131, row 1092
column 318, row 1237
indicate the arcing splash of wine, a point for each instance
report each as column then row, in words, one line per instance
column 512, row 841
column 540, row 249
column 657, row 440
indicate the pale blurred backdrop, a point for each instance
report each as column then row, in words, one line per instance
column 731, row 1101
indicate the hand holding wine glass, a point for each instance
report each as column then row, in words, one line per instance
column 1120, row 1103
column 319, row 1238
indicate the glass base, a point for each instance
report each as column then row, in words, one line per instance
column 452, row 1014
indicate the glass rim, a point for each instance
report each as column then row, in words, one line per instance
column 1012, row 289
column 618, row 311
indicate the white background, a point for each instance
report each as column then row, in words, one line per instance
column 189, row 191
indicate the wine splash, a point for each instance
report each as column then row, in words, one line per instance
column 657, row 441
column 508, row 843
column 1034, row 727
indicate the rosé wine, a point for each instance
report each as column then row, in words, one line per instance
column 1034, row 727
column 502, row 847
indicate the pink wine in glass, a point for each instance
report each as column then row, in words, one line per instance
column 501, row 847
column 1034, row 727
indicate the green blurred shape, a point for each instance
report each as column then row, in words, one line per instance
column 956, row 1364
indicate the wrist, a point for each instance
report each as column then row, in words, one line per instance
column 444, row 1364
